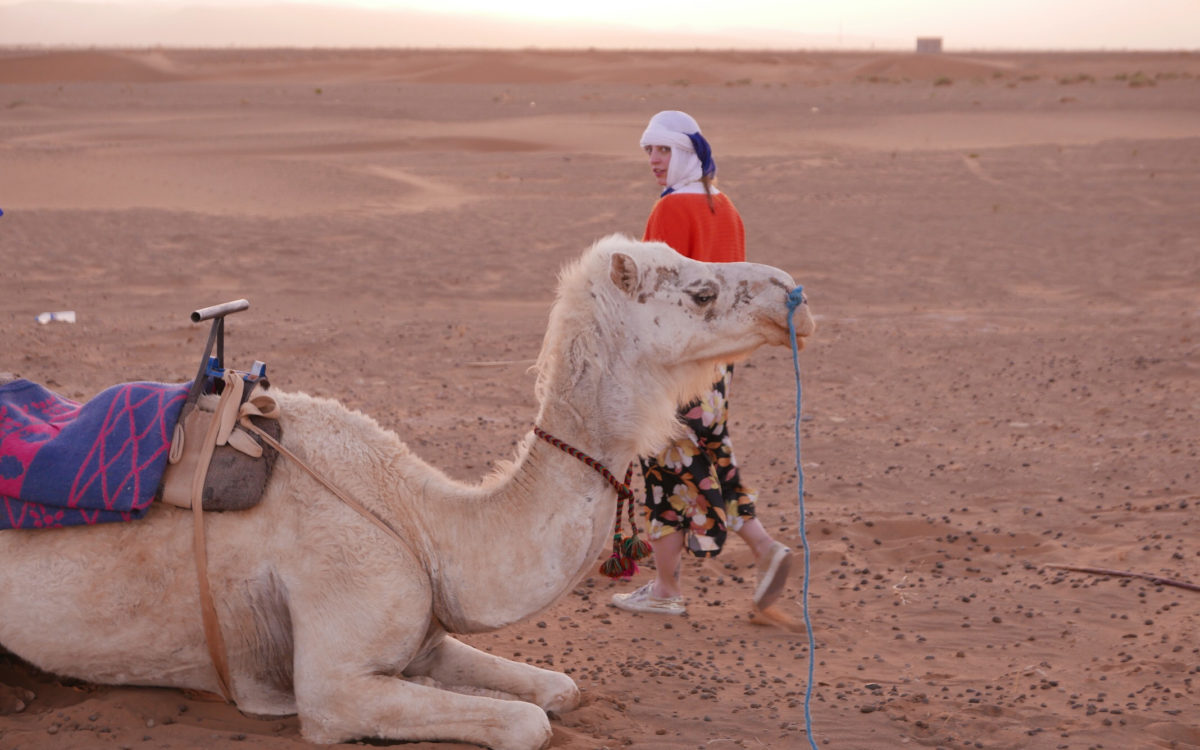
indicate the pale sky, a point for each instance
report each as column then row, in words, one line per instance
column 963, row 24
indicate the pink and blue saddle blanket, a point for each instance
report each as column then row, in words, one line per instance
column 63, row 463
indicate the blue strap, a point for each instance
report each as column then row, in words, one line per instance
column 794, row 300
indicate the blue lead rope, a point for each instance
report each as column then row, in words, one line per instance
column 794, row 300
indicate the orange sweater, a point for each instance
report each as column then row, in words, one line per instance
column 684, row 221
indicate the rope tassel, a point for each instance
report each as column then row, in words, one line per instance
column 634, row 547
column 627, row 550
column 637, row 548
column 619, row 564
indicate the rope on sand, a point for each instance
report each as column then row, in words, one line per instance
column 794, row 300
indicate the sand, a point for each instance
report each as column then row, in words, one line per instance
column 1003, row 251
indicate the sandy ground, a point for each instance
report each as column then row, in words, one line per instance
column 1003, row 251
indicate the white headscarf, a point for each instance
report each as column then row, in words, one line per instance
column 682, row 133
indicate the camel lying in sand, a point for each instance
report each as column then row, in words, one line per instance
column 326, row 616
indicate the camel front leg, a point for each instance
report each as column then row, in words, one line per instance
column 351, row 647
column 456, row 665
column 392, row 708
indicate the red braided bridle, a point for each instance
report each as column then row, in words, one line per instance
column 626, row 550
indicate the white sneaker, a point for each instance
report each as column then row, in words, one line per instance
column 641, row 600
column 773, row 568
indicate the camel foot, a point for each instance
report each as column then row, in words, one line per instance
column 559, row 694
column 13, row 700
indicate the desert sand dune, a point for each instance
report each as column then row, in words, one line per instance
column 1002, row 250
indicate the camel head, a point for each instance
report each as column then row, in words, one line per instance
column 639, row 329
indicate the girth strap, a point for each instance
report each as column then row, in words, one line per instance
column 208, row 609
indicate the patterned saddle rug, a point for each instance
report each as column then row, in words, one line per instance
column 63, row 463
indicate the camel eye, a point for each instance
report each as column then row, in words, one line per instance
column 703, row 298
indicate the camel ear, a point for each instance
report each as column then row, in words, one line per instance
column 624, row 273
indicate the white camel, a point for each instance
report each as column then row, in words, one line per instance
column 326, row 616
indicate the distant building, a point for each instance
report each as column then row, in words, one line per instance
column 929, row 45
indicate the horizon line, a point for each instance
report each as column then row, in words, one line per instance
column 598, row 48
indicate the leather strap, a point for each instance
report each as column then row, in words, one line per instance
column 227, row 408
column 208, row 609
column 357, row 506
column 258, row 403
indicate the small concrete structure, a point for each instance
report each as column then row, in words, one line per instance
column 929, row 45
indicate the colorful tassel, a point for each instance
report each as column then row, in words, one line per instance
column 622, row 564
column 617, row 565
column 612, row 568
column 636, row 548
column 626, row 550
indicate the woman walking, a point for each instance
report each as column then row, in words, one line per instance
column 694, row 491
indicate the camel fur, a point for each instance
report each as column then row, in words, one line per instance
column 326, row 616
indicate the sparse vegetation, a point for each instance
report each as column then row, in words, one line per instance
column 1077, row 78
column 943, row 81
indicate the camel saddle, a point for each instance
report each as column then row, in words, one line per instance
column 216, row 460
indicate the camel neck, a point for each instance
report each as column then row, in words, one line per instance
column 606, row 439
column 621, row 487
column 563, row 509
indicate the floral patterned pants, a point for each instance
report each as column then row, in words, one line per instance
column 693, row 484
